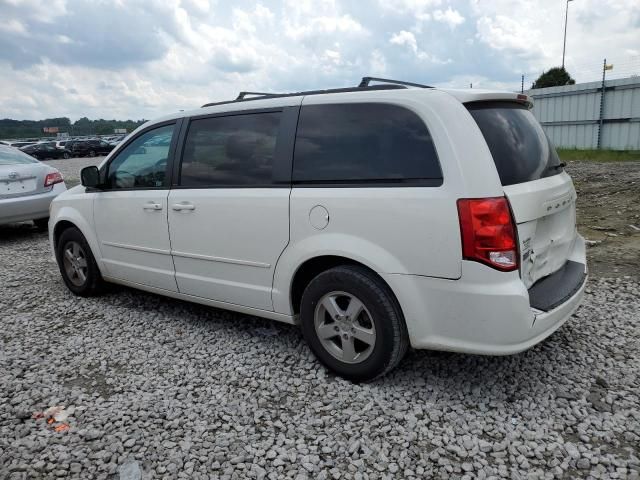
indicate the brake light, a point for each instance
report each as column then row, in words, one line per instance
column 52, row 179
column 488, row 232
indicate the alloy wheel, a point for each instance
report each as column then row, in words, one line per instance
column 75, row 263
column 345, row 327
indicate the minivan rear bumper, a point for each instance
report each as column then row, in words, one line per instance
column 484, row 312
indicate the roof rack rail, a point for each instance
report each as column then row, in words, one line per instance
column 386, row 84
column 242, row 95
column 365, row 82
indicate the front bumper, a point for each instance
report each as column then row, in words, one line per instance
column 484, row 312
column 28, row 207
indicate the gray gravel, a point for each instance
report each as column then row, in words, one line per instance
column 159, row 388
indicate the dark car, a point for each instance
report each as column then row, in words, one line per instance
column 21, row 144
column 42, row 151
column 88, row 148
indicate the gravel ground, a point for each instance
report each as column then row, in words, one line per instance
column 609, row 215
column 158, row 388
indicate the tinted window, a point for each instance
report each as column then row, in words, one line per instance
column 521, row 150
column 363, row 142
column 142, row 163
column 236, row 150
column 13, row 156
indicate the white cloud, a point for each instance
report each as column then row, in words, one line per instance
column 405, row 38
column 449, row 16
column 505, row 33
column 143, row 58
column 377, row 63
column 14, row 27
column 408, row 39
column 416, row 7
column 45, row 11
column 325, row 26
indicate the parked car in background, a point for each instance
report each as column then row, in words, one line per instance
column 22, row 144
column 376, row 217
column 42, row 151
column 89, row 148
column 27, row 188
column 61, row 143
column 115, row 142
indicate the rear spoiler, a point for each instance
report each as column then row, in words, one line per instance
column 476, row 95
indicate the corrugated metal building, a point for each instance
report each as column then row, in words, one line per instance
column 571, row 114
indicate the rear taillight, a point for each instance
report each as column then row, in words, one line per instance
column 52, row 179
column 488, row 232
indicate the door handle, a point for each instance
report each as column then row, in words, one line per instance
column 183, row 206
column 152, row 206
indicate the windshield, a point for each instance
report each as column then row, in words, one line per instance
column 13, row 156
column 521, row 150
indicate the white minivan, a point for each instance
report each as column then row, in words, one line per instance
column 381, row 217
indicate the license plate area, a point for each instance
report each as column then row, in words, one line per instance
column 17, row 187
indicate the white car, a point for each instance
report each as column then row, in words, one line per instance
column 27, row 188
column 378, row 218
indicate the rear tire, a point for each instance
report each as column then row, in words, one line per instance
column 353, row 323
column 77, row 264
column 65, row 155
column 92, row 153
column 42, row 224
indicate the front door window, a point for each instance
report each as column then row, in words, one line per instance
column 142, row 163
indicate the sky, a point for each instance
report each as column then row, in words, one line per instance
column 133, row 59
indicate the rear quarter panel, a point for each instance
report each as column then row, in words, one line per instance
column 395, row 229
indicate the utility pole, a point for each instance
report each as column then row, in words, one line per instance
column 605, row 67
column 522, row 84
column 566, row 19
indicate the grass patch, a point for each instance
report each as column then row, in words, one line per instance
column 599, row 155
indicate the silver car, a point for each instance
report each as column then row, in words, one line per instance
column 27, row 187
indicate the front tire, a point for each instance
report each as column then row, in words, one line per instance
column 353, row 323
column 65, row 155
column 92, row 153
column 77, row 264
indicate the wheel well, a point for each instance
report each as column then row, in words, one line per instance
column 315, row 266
column 60, row 227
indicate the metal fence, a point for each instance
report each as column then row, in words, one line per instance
column 578, row 116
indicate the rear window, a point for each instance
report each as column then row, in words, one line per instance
column 521, row 150
column 363, row 143
column 13, row 156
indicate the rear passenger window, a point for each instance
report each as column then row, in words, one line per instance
column 364, row 142
column 235, row 150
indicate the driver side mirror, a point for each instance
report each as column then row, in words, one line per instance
column 90, row 177
column 140, row 151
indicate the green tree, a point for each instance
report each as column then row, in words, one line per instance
column 554, row 77
column 15, row 129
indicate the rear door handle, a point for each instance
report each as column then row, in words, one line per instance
column 183, row 206
column 152, row 206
